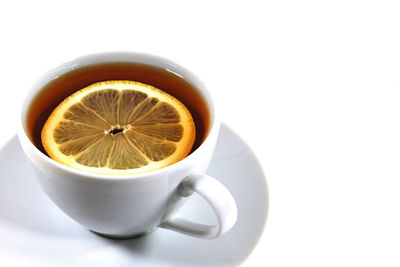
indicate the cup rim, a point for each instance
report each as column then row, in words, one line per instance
column 70, row 65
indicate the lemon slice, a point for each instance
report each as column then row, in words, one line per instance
column 119, row 127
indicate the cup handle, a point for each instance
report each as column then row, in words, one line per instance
column 217, row 196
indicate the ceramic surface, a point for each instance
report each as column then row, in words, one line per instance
column 122, row 206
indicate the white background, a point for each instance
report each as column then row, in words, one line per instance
column 312, row 86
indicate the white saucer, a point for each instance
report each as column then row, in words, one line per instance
column 34, row 231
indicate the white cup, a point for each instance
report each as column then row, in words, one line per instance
column 123, row 206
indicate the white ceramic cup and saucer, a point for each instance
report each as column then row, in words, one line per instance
column 126, row 206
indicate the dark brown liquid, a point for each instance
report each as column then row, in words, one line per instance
column 63, row 86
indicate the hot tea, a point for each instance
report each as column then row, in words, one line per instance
column 63, row 86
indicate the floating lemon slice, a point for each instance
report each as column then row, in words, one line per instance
column 119, row 127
